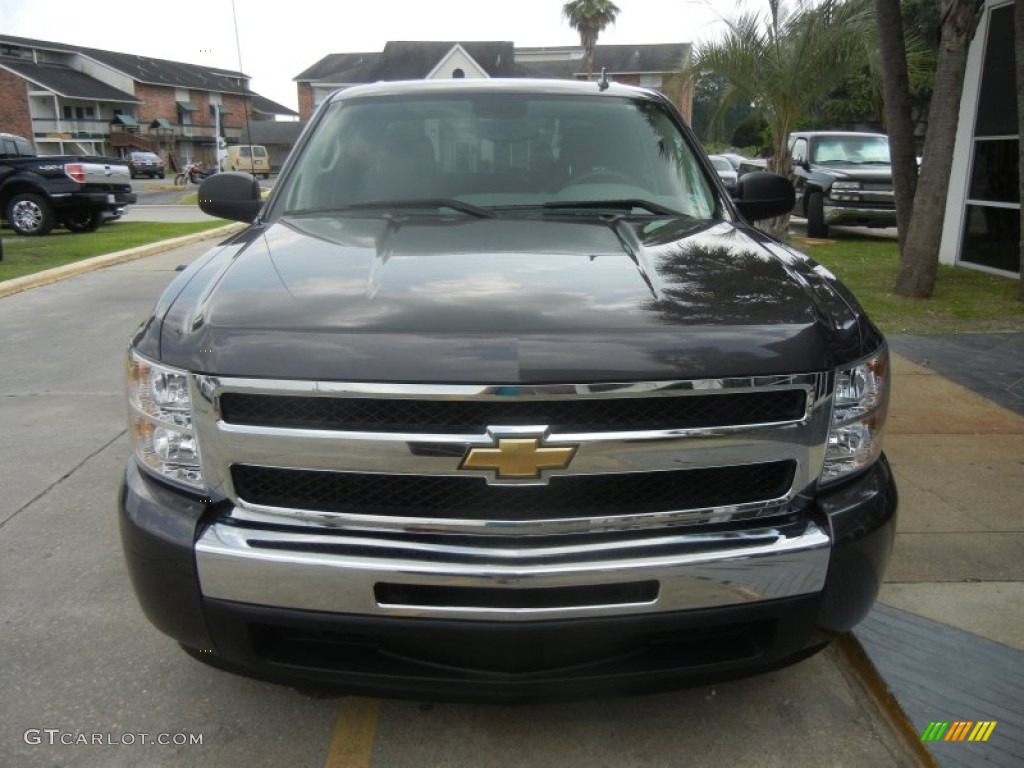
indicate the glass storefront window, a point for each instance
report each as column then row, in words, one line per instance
column 992, row 237
column 997, row 105
column 991, row 233
column 994, row 175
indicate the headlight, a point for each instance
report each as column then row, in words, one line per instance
column 859, row 406
column 160, row 417
column 845, row 190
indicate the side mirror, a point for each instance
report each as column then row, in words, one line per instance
column 763, row 195
column 234, row 196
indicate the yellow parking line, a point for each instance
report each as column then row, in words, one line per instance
column 354, row 733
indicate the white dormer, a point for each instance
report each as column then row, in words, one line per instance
column 453, row 63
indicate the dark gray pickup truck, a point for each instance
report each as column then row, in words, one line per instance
column 499, row 395
column 39, row 193
column 842, row 178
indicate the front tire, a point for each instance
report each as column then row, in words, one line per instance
column 179, row 180
column 816, row 226
column 30, row 215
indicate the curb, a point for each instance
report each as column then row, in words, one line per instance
column 47, row 276
column 861, row 666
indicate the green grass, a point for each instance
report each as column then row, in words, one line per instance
column 965, row 300
column 26, row 255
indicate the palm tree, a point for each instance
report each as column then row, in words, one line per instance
column 589, row 18
column 785, row 65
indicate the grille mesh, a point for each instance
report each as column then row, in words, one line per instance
column 473, row 417
column 472, row 498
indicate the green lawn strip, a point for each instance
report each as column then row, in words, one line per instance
column 965, row 300
column 27, row 255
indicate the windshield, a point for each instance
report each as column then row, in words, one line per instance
column 497, row 152
column 856, row 150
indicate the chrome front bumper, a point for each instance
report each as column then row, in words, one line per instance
column 340, row 574
column 839, row 213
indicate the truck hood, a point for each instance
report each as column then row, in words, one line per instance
column 506, row 300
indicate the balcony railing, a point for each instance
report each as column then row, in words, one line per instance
column 48, row 128
column 100, row 129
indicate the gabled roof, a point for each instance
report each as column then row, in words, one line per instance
column 65, row 81
column 266, row 106
column 617, row 59
column 333, row 64
column 144, row 69
column 622, row 59
column 409, row 60
column 274, row 132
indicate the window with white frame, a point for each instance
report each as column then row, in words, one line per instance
column 991, row 231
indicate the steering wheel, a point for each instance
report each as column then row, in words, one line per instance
column 602, row 175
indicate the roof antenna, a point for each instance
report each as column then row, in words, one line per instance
column 602, row 84
column 245, row 89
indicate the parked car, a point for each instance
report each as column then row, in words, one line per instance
column 498, row 395
column 38, row 193
column 145, row 164
column 842, row 178
column 734, row 159
column 725, row 170
column 247, row 158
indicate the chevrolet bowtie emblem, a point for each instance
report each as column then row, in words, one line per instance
column 519, row 458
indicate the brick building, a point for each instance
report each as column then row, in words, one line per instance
column 74, row 100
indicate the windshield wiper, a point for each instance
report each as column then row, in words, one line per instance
column 389, row 205
column 619, row 206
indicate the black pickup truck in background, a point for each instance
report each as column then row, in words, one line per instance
column 842, row 178
column 39, row 193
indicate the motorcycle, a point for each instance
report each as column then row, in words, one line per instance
column 192, row 174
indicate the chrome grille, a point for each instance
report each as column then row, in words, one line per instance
column 473, row 417
column 378, row 457
column 578, row 496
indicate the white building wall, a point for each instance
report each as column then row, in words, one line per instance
column 960, row 173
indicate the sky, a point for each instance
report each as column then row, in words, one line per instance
column 279, row 40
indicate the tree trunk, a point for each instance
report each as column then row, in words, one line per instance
column 919, row 260
column 898, row 122
column 1018, row 25
column 781, row 163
